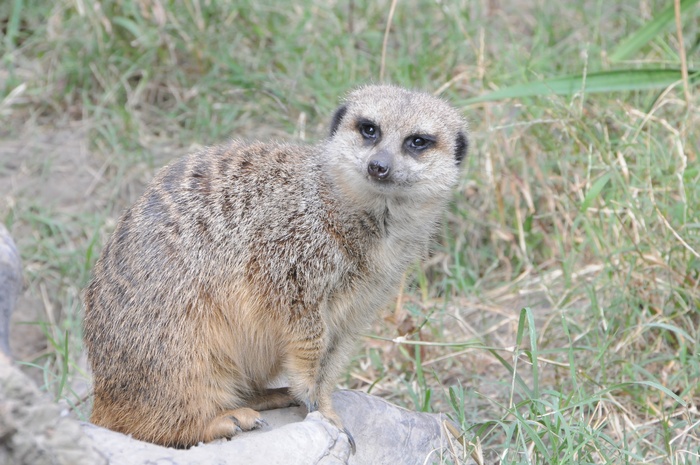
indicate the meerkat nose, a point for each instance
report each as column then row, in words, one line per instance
column 379, row 165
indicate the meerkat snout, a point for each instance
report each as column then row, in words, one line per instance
column 379, row 166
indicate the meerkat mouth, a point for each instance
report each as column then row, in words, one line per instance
column 381, row 183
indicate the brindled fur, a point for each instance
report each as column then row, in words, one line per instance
column 242, row 262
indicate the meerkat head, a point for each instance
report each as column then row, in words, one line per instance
column 396, row 142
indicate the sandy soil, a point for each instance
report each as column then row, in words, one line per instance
column 44, row 170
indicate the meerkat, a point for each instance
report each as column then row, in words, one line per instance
column 246, row 261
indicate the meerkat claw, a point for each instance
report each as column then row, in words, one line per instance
column 351, row 440
column 260, row 422
column 311, row 406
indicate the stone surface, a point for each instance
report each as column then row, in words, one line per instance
column 32, row 430
column 384, row 434
column 10, row 285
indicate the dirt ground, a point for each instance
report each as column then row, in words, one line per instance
column 46, row 173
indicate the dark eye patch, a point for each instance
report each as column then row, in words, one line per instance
column 338, row 118
column 461, row 147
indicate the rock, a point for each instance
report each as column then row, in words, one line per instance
column 32, row 430
column 384, row 434
column 10, row 285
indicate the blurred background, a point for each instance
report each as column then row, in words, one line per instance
column 556, row 319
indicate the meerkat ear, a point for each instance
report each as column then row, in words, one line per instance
column 461, row 147
column 337, row 118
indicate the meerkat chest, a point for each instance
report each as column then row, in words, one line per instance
column 372, row 283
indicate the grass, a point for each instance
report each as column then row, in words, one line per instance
column 557, row 320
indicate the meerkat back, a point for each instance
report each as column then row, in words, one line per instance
column 244, row 262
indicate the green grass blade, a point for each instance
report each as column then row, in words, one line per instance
column 604, row 81
column 535, row 351
column 129, row 25
column 12, row 28
column 526, row 427
column 527, row 316
column 646, row 33
column 511, row 371
column 65, row 357
column 526, row 313
column 651, row 384
column 594, row 191
column 674, row 329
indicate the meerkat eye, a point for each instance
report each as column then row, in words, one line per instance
column 418, row 143
column 369, row 131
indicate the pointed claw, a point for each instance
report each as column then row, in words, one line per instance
column 351, row 440
column 237, row 423
column 260, row 422
column 311, row 406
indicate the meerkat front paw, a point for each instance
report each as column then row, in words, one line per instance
column 232, row 422
column 246, row 418
column 324, row 406
column 333, row 417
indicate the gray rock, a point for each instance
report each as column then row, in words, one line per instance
column 384, row 434
column 10, row 285
column 32, row 430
